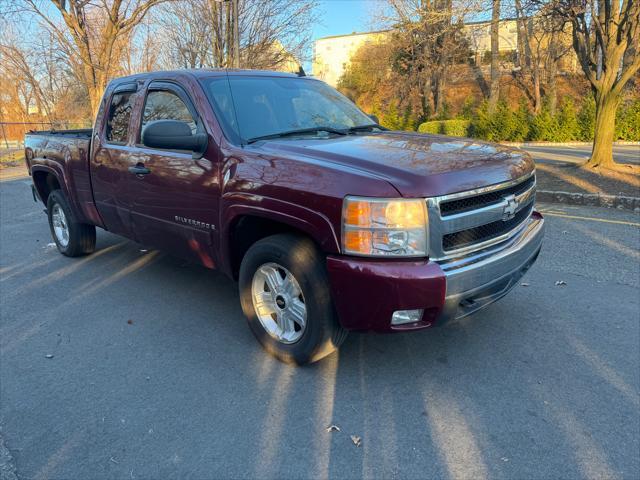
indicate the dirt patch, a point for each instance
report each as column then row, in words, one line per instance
column 575, row 179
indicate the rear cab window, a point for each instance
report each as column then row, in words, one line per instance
column 120, row 109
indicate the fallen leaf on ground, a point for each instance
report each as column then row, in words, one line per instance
column 357, row 441
column 333, row 428
column 560, row 283
column 130, row 322
column 48, row 355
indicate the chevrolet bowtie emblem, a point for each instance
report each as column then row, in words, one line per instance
column 510, row 208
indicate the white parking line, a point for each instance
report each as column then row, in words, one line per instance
column 593, row 219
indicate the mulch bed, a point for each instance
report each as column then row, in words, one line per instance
column 573, row 179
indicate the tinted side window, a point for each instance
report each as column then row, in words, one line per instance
column 163, row 105
column 119, row 115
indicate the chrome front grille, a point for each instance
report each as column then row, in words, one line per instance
column 465, row 222
column 465, row 204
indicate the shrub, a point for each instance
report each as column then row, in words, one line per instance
column 501, row 125
column 504, row 123
column 394, row 119
column 522, row 122
column 544, row 126
column 587, row 119
column 454, row 128
column 567, row 123
column 467, row 108
column 628, row 121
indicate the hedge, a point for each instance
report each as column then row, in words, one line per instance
column 455, row 128
column 568, row 123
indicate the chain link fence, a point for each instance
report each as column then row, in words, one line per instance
column 12, row 137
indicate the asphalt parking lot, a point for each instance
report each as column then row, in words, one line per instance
column 554, row 154
column 154, row 373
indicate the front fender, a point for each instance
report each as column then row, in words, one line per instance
column 316, row 225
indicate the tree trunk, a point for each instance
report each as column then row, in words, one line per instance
column 494, row 91
column 236, row 35
column 229, row 35
column 537, row 97
column 438, row 94
column 602, row 154
column 552, row 87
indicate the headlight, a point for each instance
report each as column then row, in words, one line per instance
column 384, row 227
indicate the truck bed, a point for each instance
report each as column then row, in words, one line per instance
column 63, row 154
column 61, row 146
column 79, row 133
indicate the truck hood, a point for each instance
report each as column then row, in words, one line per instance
column 416, row 165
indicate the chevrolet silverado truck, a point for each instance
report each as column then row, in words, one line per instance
column 328, row 221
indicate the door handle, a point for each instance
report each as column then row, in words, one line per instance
column 139, row 170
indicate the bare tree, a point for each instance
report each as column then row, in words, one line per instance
column 542, row 42
column 92, row 34
column 606, row 39
column 188, row 44
column 432, row 38
column 272, row 34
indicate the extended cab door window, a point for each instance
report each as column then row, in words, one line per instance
column 120, row 109
column 166, row 105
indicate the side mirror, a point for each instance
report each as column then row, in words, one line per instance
column 173, row 135
column 375, row 119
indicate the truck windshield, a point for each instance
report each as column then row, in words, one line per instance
column 253, row 108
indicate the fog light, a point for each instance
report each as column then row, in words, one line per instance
column 401, row 317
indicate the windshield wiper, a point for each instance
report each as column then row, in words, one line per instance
column 300, row 131
column 365, row 128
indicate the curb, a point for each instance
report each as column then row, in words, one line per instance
column 590, row 199
column 565, row 144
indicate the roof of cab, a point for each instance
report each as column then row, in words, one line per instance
column 202, row 73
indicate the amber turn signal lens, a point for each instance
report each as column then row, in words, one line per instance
column 358, row 241
column 357, row 213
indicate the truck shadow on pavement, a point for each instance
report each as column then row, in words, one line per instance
column 159, row 351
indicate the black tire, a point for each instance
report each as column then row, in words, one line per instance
column 322, row 334
column 82, row 237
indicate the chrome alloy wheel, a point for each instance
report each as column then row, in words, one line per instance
column 60, row 226
column 278, row 302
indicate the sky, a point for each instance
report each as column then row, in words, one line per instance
column 340, row 17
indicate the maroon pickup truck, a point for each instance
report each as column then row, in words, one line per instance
column 328, row 221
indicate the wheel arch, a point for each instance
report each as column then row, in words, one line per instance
column 46, row 181
column 249, row 225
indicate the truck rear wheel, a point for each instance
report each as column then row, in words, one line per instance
column 71, row 237
column 284, row 292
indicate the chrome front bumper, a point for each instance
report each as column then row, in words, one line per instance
column 479, row 279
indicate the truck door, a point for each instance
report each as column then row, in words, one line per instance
column 110, row 160
column 174, row 200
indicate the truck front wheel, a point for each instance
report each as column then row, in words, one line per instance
column 284, row 292
column 72, row 238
